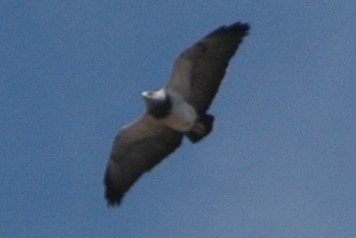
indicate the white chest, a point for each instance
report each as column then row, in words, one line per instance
column 182, row 116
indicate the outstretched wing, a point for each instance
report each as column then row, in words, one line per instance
column 199, row 70
column 137, row 149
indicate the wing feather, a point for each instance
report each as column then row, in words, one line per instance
column 137, row 149
column 199, row 70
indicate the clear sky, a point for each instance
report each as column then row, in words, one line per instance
column 281, row 161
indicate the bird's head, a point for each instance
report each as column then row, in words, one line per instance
column 158, row 103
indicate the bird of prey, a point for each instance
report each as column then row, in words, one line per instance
column 178, row 109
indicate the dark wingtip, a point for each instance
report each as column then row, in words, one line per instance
column 237, row 27
column 113, row 198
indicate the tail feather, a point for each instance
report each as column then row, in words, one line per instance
column 203, row 126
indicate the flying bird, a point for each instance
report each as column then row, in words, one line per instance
column 176, row 111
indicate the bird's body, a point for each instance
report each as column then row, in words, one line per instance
column 177, row 110
column 181, row 115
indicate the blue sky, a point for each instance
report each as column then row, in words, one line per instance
column 281, row 161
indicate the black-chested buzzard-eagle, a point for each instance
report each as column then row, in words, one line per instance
column 179, row 109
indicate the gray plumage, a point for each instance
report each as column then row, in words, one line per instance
column 176, row 110
column 199, row 70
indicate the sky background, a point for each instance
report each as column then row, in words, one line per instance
column 281, row 161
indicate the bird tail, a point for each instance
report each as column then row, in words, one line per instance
column 202, row 127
